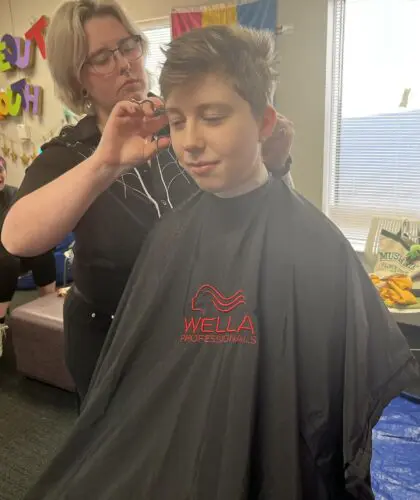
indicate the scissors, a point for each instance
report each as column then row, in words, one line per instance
column 157, row 111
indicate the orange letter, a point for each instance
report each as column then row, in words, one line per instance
column 4, row 104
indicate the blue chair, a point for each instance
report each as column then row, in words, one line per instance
column 63, row 259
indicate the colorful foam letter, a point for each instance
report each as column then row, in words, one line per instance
column 36, row 33
column 10, row 50
column 25, row 53
column 4, row 63
column 19, row 88
column 14, row 107
column 33, row 95
column 4, row 105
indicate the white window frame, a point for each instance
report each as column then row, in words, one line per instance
column 155, row 22
column 359, row 217
column 335, row 48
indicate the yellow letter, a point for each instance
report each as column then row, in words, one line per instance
column 4, row 65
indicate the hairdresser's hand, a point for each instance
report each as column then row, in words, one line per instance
column 127, row 136
column 276, row 150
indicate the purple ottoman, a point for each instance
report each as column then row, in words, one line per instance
column 37, row 335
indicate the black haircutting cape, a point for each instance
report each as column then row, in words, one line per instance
column 249, row 359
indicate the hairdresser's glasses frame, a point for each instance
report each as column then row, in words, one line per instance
column 123, row 45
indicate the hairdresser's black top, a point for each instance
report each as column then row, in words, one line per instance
column 7, row 196
column 6, row 200
column 110, row 234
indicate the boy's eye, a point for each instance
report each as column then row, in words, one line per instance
column 214, row 119
column 176, row 123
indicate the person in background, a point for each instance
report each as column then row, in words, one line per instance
column 42, row 266
column 84, row 178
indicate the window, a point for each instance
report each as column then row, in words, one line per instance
column 158, row 33
column 372, row 160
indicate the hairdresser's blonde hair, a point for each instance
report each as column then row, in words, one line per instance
column 244, row 56
column 67, row 46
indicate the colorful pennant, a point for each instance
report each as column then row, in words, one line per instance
column 260, row 14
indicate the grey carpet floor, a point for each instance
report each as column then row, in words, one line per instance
column 34, row 421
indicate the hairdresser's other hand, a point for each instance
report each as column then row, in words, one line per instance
column 127, row 137
column 276, row 149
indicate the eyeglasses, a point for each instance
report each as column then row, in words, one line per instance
column 104, row 61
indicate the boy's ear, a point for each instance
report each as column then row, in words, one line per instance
column 268, row 122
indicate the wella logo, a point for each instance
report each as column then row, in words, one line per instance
column 221, row 319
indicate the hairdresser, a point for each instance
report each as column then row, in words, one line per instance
column 84, row 178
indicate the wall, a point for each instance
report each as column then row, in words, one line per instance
column 16, row 21
column 301, row 94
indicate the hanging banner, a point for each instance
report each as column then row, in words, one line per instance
column 260, row 14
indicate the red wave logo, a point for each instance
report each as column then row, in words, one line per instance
column 221, row 303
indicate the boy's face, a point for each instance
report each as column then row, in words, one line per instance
column 214, row 134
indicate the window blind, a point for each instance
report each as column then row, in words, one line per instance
column 158, row 36
column 372, row 161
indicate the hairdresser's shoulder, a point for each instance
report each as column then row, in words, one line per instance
column 78, row 140
column 70, row 147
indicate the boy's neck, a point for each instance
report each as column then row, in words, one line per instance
column 259, row 179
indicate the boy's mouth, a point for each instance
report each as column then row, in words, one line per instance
column 202, row 167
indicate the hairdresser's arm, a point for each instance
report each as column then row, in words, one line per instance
column 39, row 220
column 276, row 150
column 42, row 218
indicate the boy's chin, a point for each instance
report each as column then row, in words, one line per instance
column 211, row 186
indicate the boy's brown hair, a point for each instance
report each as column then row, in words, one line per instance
column 245, row 56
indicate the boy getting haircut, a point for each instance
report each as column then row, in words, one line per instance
column 250, row 356
column 245, row 57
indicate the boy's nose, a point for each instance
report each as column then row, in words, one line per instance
column 193, row 139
